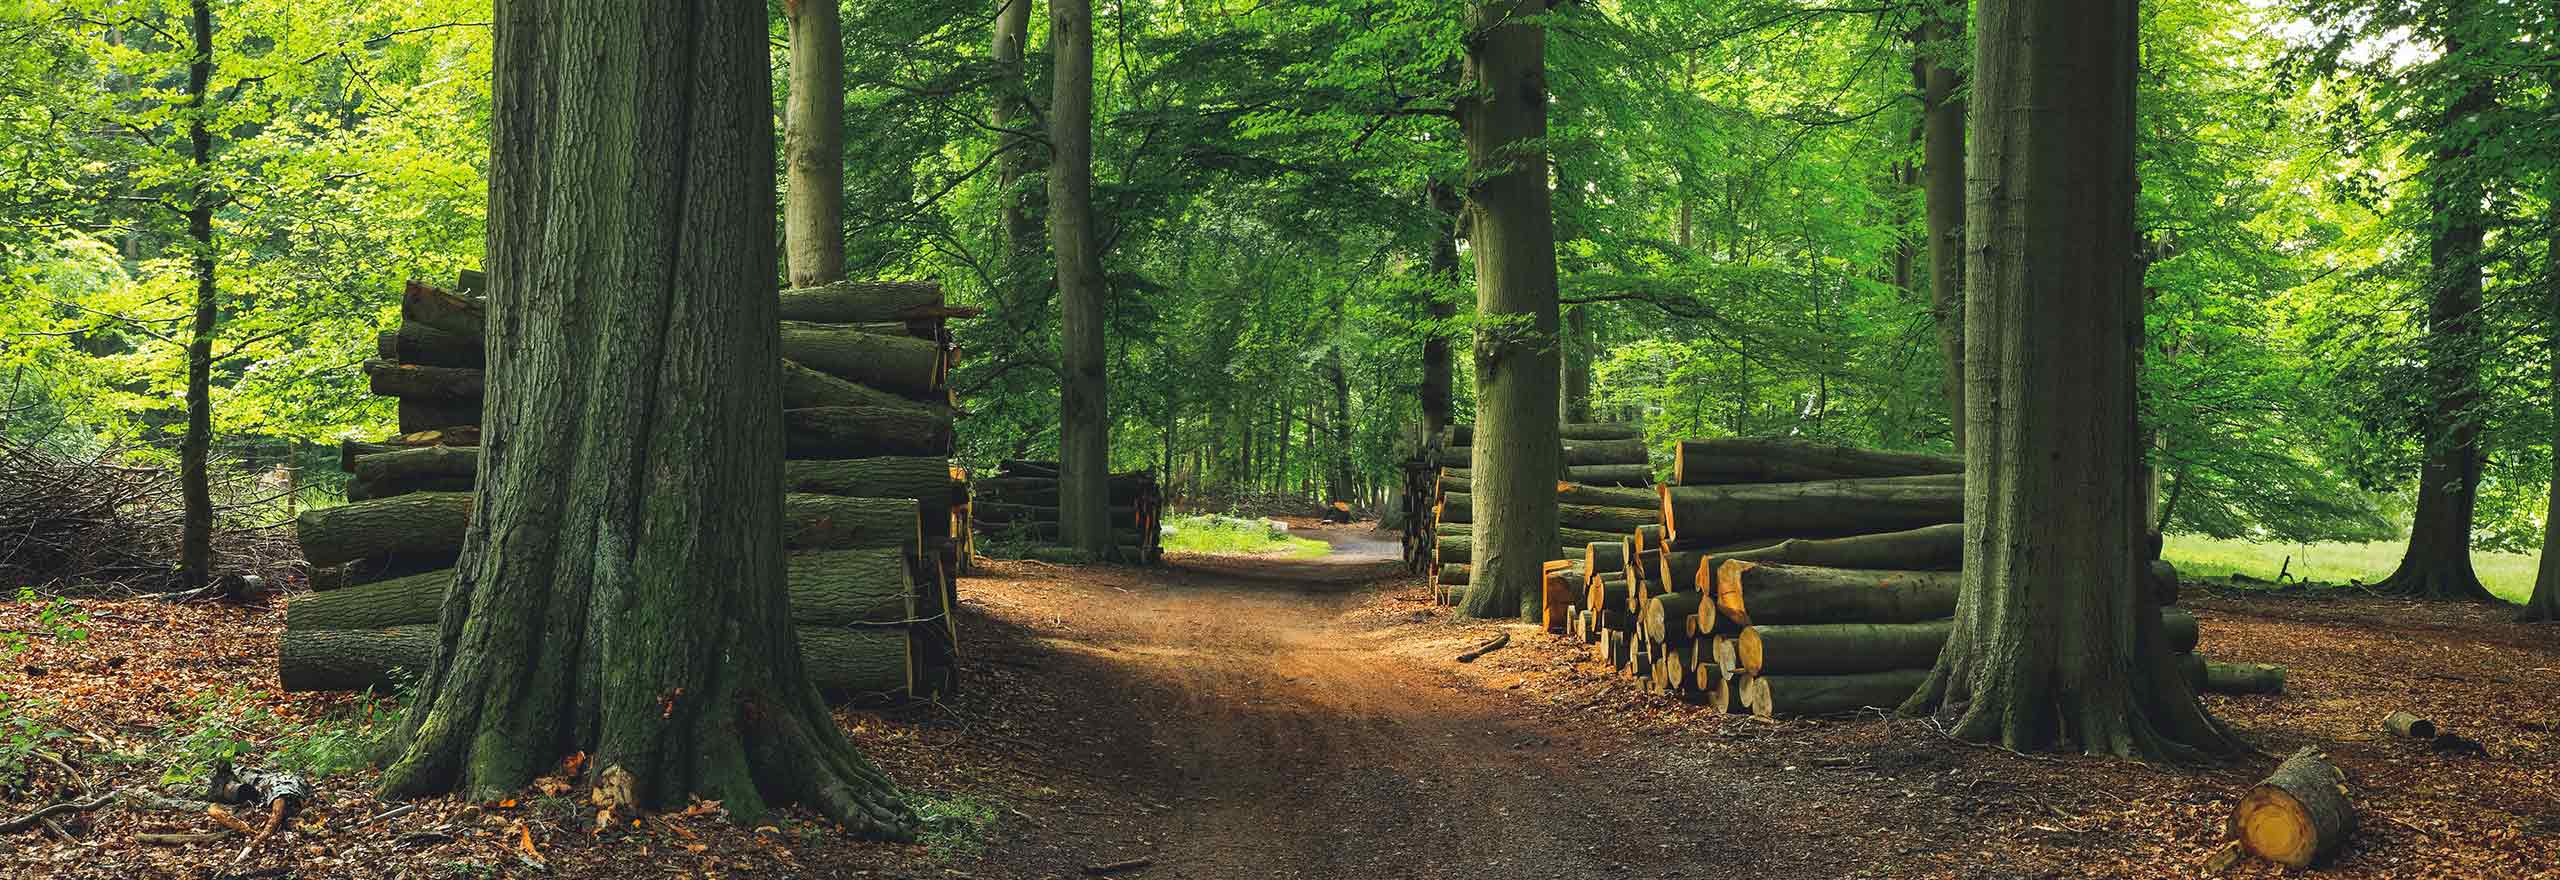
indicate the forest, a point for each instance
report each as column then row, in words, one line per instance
column 394, row 386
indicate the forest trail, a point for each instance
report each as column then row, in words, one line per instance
column 1268, row 736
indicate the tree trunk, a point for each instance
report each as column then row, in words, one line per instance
column 621, row 592
column 1942, row 164
column 1578, row 351
column 1023, row 288
column 1518, row 450
column 1084, row 412
column 2056, row 641
column 2544, row 606
column 1338, row 466
column 1439, row 380
column 1781, row 460
column 1699, row 517
column 195, row 450
column 813, row 145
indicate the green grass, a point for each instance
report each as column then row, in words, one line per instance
column 1233, row 536
column 2510, row 575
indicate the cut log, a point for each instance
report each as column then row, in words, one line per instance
column 1615, row 520
column 1931, row 548
column 424, row 526
column 1604, row 557
column 2241, row 679
column 830, row 522
column 413, row 469
column 1601, row 431
column 1610, row 474
column 1583, row 453
column 1698, row 517
column 859, row 663
column 997, row 514
column 2299, row 815
column 926, row 479
column 1839, row 648
column 901, row 365
column 1454, row 575
column 803, row 387
column 416, row 343
column 420, row 415
column 862, row 302
column 1127, row 488
column 456, row 314
column 841, row 661
column 1609, row 496
column 2164, row 582
column 1777, row 460
column 1749, row 594
column 1800, row 696
column 1605, row 593
column 832, row 588
column 864, row 432
column 1726, row 651
column 415, row 600
column 452, row 384
column 2407, row 726
column 1665, row 620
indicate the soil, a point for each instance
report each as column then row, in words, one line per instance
column 1227, row 717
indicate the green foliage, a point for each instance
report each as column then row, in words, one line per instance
column 954, row 826
column 22, row 736
column 2509, row 575
column 1231, row 535
column 236, row 725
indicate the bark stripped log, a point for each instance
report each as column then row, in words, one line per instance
column 1704, row 516
column 1773, row 460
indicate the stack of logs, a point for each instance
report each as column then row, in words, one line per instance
column 1020, row 504
column 1785, row 578
column 873, row 511
column 1602, row 462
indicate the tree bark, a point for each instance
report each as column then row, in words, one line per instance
column 2544, row 605
column 416, row 343
column 2056, row 641
column 1781, row 460
column 423, row 526
column 813, row 145
column 1799, row 696
column 1942, row 167
column 621, row 591
column 1439, row 379
column 1847, row 647
column 1578, row 351
column 2298, row 815
column 1517, row 455
column 903, row 365
column 1023, row 288
column 1338, row 465
column 1610, row 474
column 1930, row 548
column 1084, row 411
column 864, row 432
column 407, row 381
column 1699, row 517
column 840, row 661
column 195, row 450
column 1758, row 594
column 1587, row 453
column 866, row 302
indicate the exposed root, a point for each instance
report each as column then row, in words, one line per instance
column 2449, row 581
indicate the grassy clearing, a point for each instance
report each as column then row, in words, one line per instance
column 1234, row 536
column 2510, row 575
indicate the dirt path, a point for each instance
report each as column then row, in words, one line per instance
column 1269, row 737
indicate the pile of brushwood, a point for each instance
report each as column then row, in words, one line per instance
column 97, row 524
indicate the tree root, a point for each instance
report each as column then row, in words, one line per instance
column 65, row 808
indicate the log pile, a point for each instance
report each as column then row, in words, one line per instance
column 1785, row 578
column 876, row 518
column 1602, row 493
column 1020, row 505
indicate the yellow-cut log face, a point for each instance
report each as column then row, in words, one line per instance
column 2274, row 826
column 1728, row 591
column 1747, row 649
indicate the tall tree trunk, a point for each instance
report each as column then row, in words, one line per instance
column 621, row 591
column 813, row 145
column 1942, row 164
column 2545, row 603
column 1339, row 478
column 1280, row 475
column 2056, row 641
column 1439, row 380
column 1518, row 447
column 1023, row 286
column 195, row 451
column 1578, row 351
column 2437, row 563
column 1084, row 412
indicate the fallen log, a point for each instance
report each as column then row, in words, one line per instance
column 1584, row 453
column 424, row 527
column 863, row 302
column 2407, row 726
column 1778, row 460
column 1704, row 516
column 2240, row 679
column 841, row 661
column 2298, row 815
column 1750, row 594
column 1490, row 645
column 864, row 432
column 900, row 365
column 1798, row 696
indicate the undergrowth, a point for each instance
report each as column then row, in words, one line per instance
column 1234, row 535
column 233, row 725
column 2509, row 575
column 955, row 826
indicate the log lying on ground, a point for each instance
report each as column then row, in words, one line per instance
column 455, row 314
column 1454, row 575
column 1610, row 496
column 1604, row 557
column 1845, row 648
column 926, row 479
column 1750, row 594
column 1610, row 474
column 1775, row 460
column 863, row 302
column 864, row 432
column 833, row 522
column 1584, row 453
column 416, row 343
column 2299, row 815
column 828, row 588
column 1665, row 619
column 1465, row 434
column 1795, row 696
column 2230, row 678
column 420, row 526
column 1126, row 488
column 413, row 469
column 350, row 450
column 898, row 364
column 2408, row 726
column 1931, row 548
column 841, row 661
column 1704, row 516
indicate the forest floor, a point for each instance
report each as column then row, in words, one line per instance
column 1231, row 717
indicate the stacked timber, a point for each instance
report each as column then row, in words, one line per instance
column 876, row 517
column 1020, row 505
column 1788, row 578
column 1599, row 496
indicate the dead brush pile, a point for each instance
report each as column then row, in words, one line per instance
column 98, row 525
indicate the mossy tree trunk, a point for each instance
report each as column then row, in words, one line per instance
column 2056, row 641
column 813, row 144
column 1940, row 36
column 195, row 479
column 1025, row 280
column 1084, row 429
column 1439, row 380
column 1518, row 449
column 2437, row 563
column 621, row 591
